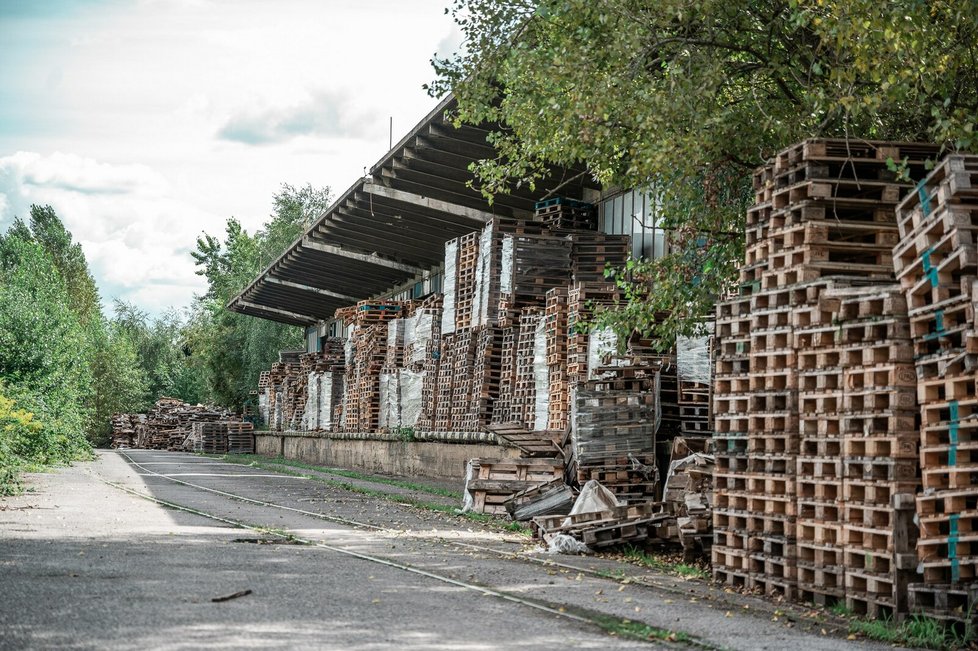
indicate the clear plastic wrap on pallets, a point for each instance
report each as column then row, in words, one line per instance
column 693, row 362
column 602, row 350
column 506, row 266
column 613, row 424
column 409, row 385
column 541, row 378
column 483, row 279
column 330, row 395
column 310, row 415
column 421, row 337
column 449, row 287
column 389, row 417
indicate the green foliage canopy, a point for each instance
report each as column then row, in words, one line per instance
column 687, row 96
column 231, row 349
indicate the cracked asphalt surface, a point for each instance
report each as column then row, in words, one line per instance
column 88, row 560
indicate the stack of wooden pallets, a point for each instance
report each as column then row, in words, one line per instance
column 593, row 253
column 212, row 437
column 486, row 370
column 614, row 433
column 462, row 363
column 465, row 283
column 556, row 332
column 241, row 438
column 937, row 263
column 583, row 298
column 497, row 480
column 731, row 400
column 124, row 430
column 694, row 364
column 879, row 441
column 502, row 411
column 824, row 217
column 533, row 264
column 564, row 213
column 524, row 386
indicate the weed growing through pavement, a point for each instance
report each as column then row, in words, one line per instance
column 284, row 466
column 626, row 628
column 641, row 557
column 263, row 462
column 915, row 631
column 839, row 609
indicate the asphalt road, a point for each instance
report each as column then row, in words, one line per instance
column 96, row 556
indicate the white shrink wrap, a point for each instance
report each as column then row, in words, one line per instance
column 449, row 287
column 541, row 378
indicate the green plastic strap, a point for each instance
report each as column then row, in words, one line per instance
column 952, row 549
column 938, row 326
column 924, row 197
column 929, row 269
column 952, row 431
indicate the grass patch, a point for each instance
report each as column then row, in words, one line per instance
column 839, row 609
column 286, row 469
column 616, row 575
column 641, row 557
column 626, row 628
column 350, row 474
column 915, row 631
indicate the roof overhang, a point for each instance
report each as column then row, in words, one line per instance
column 388, row 227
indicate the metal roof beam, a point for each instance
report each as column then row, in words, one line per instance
column 293, row 317
column 356, row 233
column 462, row 211
column 310, row 288
column 367, row 258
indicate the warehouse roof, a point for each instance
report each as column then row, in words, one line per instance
column 390, row 226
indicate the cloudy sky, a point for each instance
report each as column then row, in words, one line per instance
column 146, row 122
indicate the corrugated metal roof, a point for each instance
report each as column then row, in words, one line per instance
column 388, row 227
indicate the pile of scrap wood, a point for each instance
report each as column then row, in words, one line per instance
column 688, row 492
column 169, row 425
column 599, row 520
column 596, row 482
column 124, row 428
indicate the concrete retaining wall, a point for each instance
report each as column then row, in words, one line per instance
column 394, row 457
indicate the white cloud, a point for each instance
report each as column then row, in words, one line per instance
column 136, row 236
column 325, row 112
column 139, row 92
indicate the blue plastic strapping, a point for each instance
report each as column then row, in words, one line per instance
column 952, row 549
column 930, row 271
column 924, row 197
